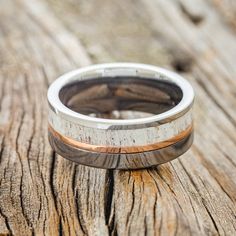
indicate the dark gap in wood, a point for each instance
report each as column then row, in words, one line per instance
column 77, row 203
column 53, row 157
column 44, row 221
column 118, row 160
column 40, row 207
column 29, row 224
column 211, row 217
column 145, row 225
column 6, row 222
column 74, row 176
column 109, row 190
column 132, row 204
column 80, row 219
column 154, row 212
column 111, row 226
column 2, row 149
column 115, row 233
column 60, row 228
column 196, row 19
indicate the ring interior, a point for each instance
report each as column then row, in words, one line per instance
column 120, row 97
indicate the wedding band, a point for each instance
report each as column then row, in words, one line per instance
column 120, row 115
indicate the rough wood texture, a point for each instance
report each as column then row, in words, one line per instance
column 44, row 194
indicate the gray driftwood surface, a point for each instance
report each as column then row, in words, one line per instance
column 42, row 193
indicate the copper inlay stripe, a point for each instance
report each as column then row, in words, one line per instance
column 127, row 149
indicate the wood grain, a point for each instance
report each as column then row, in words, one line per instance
column 42, row 193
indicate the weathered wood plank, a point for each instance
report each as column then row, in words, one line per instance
column 42, row 193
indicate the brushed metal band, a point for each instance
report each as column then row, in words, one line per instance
column 161, row 126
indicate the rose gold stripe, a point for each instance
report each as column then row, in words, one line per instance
column 127, row 149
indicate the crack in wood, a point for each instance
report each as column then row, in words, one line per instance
column 7, row 223
column 79, row 215
column 108, row 198
column 51, row 178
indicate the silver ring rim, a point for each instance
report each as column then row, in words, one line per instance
column 55, row 102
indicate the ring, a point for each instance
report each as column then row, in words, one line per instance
column 120, row 115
